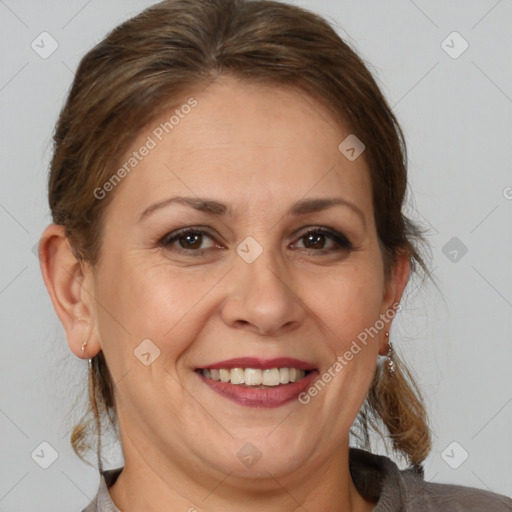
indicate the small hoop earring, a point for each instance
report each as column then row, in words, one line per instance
column 390, row 363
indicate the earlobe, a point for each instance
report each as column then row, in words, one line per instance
column 394, row 289
column 67, row 283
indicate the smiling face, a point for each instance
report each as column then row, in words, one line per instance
column 280, row 268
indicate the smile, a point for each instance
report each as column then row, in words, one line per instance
column 253, row 382
column 255, row 376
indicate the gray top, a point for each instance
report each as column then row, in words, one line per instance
column 379, row 479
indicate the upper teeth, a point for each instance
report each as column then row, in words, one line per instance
column 255, row 376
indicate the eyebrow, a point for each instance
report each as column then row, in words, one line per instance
column 213, row 207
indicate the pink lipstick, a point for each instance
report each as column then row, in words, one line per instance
column 254, row 382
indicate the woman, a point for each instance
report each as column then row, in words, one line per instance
column 228, row 251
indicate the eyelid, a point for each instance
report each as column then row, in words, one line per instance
column 339, row 238
column 166, row 240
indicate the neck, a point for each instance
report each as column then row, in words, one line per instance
column 161, row 486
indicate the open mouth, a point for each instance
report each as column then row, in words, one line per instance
column 251, row 377
column 253, row 382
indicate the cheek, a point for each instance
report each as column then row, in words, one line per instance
column 348, row 307
column 348, row 301
column 139, row 302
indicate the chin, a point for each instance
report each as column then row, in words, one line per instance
column 263, row 456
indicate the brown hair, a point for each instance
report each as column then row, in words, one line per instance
column 181, row 45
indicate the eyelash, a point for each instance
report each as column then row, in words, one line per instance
column 342, row 243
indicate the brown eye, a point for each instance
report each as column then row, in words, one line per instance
column 316, row 239
column 188, row 239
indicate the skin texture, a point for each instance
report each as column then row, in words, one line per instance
column 259, row 150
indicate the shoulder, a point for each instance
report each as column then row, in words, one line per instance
column 379, row 479
column 432, row 496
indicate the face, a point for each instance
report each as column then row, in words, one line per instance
column 253, row 277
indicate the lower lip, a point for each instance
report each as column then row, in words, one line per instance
column 263, row 398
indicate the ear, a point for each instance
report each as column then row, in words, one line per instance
column 393, row 291
column 69, row 283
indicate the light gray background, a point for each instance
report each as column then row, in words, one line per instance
column 457, row 117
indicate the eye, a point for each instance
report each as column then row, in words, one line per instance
column 187, row 239
column 315, row 239
column 192, row 240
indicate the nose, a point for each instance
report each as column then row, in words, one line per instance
column 261, row 297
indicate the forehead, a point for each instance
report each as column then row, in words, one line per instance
column 242, row 143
